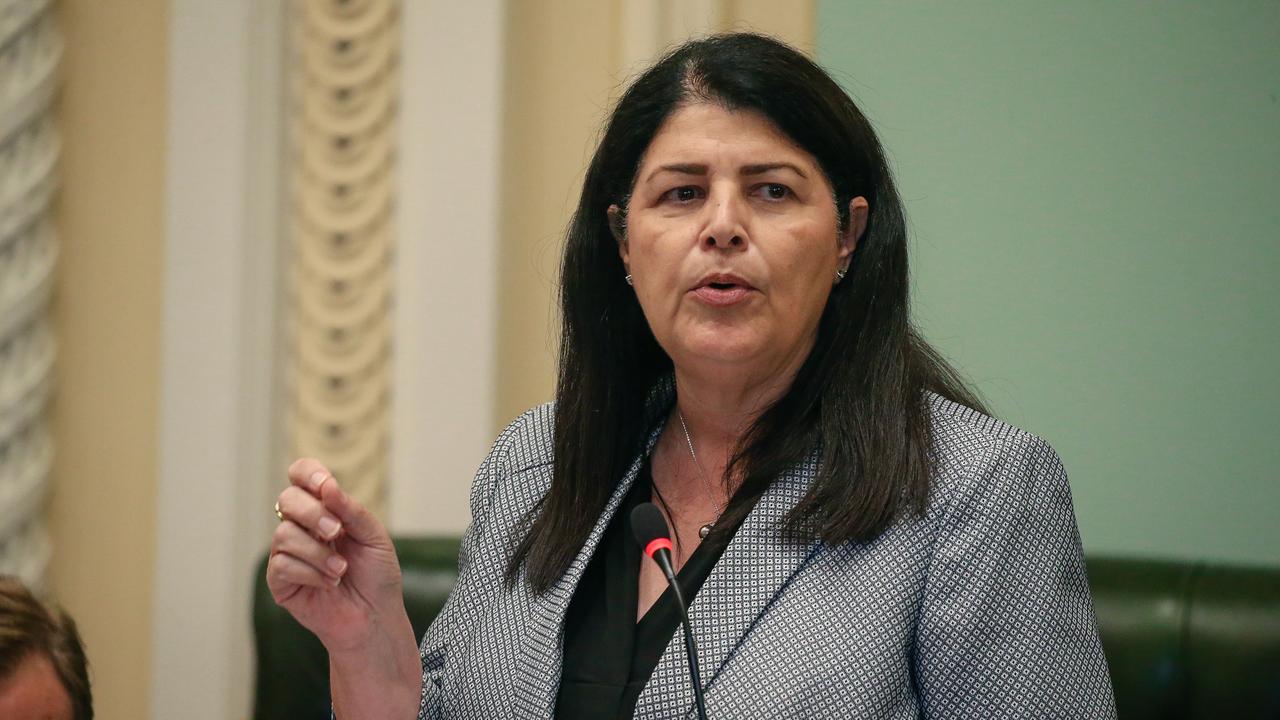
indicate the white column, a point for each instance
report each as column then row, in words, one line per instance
column 216, row 415
column 447, row 259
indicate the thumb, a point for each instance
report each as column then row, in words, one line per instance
column 360, row 524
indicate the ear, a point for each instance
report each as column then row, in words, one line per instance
column 618, row 227
column 858, row 211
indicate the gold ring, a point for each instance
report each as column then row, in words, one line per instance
column 278, row 513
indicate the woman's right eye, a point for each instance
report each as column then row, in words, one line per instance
column 683, row 194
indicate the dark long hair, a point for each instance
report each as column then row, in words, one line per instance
column 859, row 396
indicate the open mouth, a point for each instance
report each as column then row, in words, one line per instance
column 722, row 290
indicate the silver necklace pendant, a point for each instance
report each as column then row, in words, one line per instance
column 705, row 530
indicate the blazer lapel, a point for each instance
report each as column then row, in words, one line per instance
column 755, row 567
column 542, row 647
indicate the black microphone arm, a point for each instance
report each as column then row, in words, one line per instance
column 648, row 525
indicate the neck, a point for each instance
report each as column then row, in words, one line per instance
column 719, row 405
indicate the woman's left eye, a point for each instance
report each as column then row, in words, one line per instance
column 683, row 194
column 774, row 191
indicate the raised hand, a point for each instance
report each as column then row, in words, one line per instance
column 332, row 564
column 333, row 567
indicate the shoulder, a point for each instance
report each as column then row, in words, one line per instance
column 1005, row 591
column 528, row 441
column 954, row 423
column 524, row 446
column 974, row 452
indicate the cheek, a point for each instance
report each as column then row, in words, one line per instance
column 801, row 306
column 655, row 263
column 802, row 272
column 802, row 262
column 652, row 286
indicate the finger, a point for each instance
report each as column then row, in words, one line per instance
column 285, row 573
column 309, row 474
column 360, row 524
column 299, row 507
column 292, row 540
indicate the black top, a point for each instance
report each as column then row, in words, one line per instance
column 608, row 656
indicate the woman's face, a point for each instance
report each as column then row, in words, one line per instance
column 732, row 241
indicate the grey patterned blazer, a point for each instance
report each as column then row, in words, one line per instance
column 978, row 609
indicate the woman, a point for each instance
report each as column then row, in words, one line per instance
column 856, row 539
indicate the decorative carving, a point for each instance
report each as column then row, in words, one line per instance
column 343, row 80
column 30, row 48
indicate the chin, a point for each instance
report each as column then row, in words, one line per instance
column 725, row 347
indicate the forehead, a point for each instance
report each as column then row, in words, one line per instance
column 708, row 133
column 33, row 690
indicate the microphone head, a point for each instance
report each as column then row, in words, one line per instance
column 648, row 525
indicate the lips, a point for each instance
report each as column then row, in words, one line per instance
column 722, row 289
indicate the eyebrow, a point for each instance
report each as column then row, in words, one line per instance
column 678, row 168
column 768, row 167
column 746, row 171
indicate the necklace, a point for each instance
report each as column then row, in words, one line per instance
column 706, row 529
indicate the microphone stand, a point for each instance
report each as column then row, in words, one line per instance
column 663, row 558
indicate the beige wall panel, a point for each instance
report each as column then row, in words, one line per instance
column 791, row 21
column 107, row 320
column 559, row 70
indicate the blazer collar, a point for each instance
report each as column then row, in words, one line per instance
column 758, row 563
column 754, row 568
column 542, row 647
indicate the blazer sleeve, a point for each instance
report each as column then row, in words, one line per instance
column 1006, row 627
column 434, row 648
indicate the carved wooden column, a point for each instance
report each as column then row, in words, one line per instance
column 30, row 48
column 342, row 75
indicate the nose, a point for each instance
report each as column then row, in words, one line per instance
column 725, row 227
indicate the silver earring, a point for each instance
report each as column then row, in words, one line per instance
column 840, row 275
column 628, row 279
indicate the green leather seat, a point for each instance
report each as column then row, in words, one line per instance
column 1183, row 640
column 1189, row 640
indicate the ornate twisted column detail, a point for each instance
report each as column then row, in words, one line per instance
column 30, row 48
column 342, row 76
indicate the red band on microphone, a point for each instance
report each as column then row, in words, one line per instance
column 657, row 544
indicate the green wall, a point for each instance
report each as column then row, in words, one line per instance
column 1094, row 190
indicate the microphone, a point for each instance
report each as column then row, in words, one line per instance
column 651, row 534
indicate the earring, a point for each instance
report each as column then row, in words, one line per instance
column 840, row 275
column 628, row 279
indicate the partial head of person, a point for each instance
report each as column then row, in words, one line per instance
column 43, row 671
column 739, row 220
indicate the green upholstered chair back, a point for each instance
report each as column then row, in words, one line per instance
column 1189, row 640
column 1183, row 640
